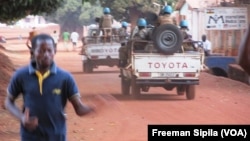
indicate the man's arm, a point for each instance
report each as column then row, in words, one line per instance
column 14, row 89
column 29, row 123
column 80, row 108
column 74, row 97
column 10, row 105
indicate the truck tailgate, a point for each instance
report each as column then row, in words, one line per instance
column 167, row 66
column 102, row 51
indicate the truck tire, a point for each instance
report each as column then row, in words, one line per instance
column 87, row 67
column 180, row 89
column 190, row 92
column 135, row 88
column 125, row 86
column 167, row 39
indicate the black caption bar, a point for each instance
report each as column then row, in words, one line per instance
column 199, row 132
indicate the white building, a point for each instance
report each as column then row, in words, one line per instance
column 31, row 21
column 224, row 41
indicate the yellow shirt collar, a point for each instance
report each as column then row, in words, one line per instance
column 41, row 78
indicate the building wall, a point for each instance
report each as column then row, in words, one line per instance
column 225, row 42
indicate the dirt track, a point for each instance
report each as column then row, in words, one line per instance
column 218, row 101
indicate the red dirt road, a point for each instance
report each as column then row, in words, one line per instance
column 218, row 101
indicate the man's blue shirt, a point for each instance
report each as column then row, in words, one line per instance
column 46, row 100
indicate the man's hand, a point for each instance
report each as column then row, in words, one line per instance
column 95, row 104
column 30, row 123
column 101, row 102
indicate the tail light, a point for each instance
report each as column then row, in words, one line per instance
column 189, row 74
column 145, row 74
column 94, row 57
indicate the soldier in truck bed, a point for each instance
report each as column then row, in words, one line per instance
column 139, row 33
column 105, row 23
column 123, row 54
column 123, row 33
column 142, row 32
column 187, row 42
column 84, row 43
column 165, row 17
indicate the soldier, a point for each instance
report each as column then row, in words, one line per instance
column 166, row 18
column 123, row 34
column 123, row 54
column 142, row 32
column 105, row 23
column 84, row 44
column 187, row 38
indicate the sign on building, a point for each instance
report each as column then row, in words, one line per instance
column 226, row 18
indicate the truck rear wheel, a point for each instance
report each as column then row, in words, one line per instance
column 87, row 67
column 135, row 88
column 190, row 92
column 180, row 90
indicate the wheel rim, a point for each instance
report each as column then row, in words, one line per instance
column 168, row 39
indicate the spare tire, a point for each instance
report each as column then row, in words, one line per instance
column 167, row 38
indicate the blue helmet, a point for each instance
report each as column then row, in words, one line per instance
column 184, row 23
column 124, row 24
column 106, row 10
column 168, row 9
column 142, row 22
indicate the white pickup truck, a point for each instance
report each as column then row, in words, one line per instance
column 155, row 68
column 100, row 53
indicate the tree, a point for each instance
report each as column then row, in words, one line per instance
column 131, row 10
column 72, row 15
column 79, row 12
column 13, row 10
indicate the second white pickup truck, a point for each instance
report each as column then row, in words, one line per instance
column 98, row 52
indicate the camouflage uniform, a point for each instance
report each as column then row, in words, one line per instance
column 122, row 33
column 105, row 24
column 186, row 37
column 141, row 34
column 165, row 19
column 123, row 54
column 84, row 43
column 123, row 51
